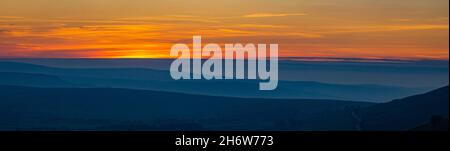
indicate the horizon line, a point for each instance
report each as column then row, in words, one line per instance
column 305, row 59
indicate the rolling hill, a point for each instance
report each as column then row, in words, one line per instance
column 29, row 108
column 397, row 115
column 158, row 80
column 87, row 108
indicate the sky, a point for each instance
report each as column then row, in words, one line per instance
column 394, row 29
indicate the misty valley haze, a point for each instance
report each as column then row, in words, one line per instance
column 115, row 95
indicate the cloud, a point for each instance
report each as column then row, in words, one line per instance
column 385, row 28
column 261, row 26
column 305, row 35
column 171, row 18
column 402, row 20
column 11, row 17
column 265, row 15
column 152, row 36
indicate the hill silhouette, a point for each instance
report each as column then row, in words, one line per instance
column 29, row 108
column 436, row 124
column 158, row 80
column 401, row 114
column 33, row 79
column 26, row 108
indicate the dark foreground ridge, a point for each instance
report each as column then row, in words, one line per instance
column 29, row 108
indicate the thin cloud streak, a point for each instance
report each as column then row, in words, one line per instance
column 266, row 15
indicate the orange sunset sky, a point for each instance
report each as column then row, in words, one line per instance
column 401, row 29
